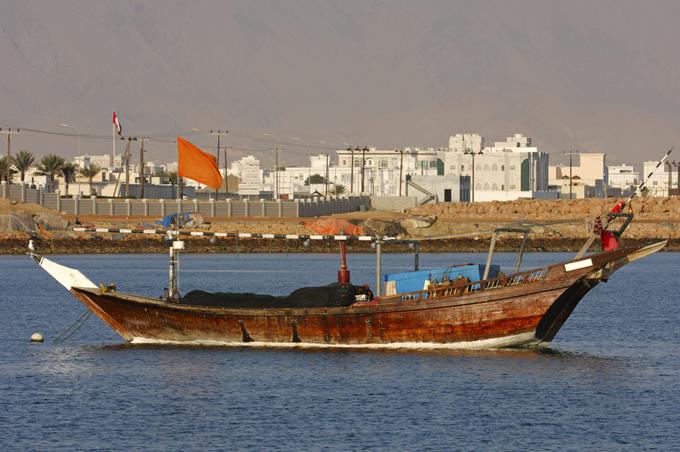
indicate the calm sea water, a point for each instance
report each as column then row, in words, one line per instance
column 609, row 381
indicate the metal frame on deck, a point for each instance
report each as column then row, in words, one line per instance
column 520, row 254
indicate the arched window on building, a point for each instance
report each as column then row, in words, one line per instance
column 502, row 167
column 478, row 186
column 494, row 187
column 494, row 167
column 478, row 167
column 486, row 167
column 486, row 186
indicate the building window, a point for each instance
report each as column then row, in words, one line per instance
column 452, row 167
column 478, row 167
column 462, row 168
column 512, row 167
column 383, row 164
column 494, row 187
column 486, row 167
column 433, row 164
column 502, row 167
column 344, row 162
column 494, row 167
column 503, row 187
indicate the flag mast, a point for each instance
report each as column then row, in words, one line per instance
column 175, row 245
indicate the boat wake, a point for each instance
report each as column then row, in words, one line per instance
column 525, row 339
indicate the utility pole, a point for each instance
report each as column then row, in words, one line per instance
column 219, row 133
column 351, row 171
column 128, row 151
column 141, row 168
column 326, row 176
column 570, row 172
column 9, row 133
column 226, row 176
column 401, row 169
column 472, row 184
column 276, row 169
column 363, row 166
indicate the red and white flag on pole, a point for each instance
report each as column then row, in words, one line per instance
column 116, row 123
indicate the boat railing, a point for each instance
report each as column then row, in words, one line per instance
column 454, row 289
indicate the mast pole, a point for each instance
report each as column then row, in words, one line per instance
column 378, row 267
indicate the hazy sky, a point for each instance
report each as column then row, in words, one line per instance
column 600, row 76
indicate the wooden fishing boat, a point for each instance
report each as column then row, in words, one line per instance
column 521, row 309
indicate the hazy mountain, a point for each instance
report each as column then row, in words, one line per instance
column 601, row 76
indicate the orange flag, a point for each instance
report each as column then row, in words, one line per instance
column 197, row 165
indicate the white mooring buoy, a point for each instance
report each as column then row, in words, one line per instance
column 36, row 337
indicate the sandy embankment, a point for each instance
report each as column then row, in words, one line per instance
column 656, row 218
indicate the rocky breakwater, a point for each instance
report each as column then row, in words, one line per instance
column 562, row 225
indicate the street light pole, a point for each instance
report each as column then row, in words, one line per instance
column 472, row 184
column 570, row 172
column 351, row 171
column 363, row 165
column 401, row 169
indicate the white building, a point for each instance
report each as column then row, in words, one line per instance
column 462, row 142
column 105, row 161
column 371, row 171
column 658, row 183
column 622, row 176
column 510, row 169
column 590, row 172
column 247, row 169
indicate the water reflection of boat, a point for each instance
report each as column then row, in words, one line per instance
column 521, row 308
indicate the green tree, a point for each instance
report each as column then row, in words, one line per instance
column 50, row 165
column 90, row 172
column 3, row 169
column 339, row 189
column 315, row 179
column 68, row 172
column 23, row 161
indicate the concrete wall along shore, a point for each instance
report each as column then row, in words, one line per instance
column 161, row 207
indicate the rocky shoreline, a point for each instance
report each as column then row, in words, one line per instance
column 558, row 226
column 146, row 245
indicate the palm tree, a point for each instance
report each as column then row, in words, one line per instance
column 3, row 169
column 339, row 189
column 69, row 171
column 90, row 172
column 50, row 165
column 23, row 161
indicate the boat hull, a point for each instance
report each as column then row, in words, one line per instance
column 527, row 309
column 504, row 318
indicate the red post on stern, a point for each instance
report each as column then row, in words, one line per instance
column 343, row 273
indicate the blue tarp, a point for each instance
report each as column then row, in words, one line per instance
column 169, row 220
column 413, row 281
